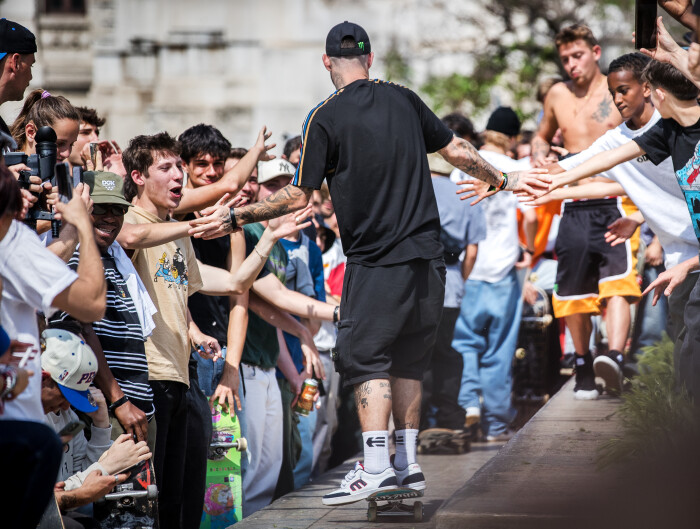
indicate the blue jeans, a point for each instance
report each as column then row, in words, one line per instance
column 209, row 372
column 302, row 470
column 651, row 320
column 486, row 334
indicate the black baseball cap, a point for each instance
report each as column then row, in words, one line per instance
column 505, row 121
column 15, row 38
column 347, row 29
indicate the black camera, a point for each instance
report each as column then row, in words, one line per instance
column 43, row 164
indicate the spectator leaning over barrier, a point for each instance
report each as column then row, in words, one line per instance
column 118, row 339
column 89, row 469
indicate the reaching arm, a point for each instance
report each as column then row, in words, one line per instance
column 667, row 50
column 231, row 182
column 86, row 298
column 599, row 163
column 217, row 221
column 462, row 155
column 592, row 190
column 546, row 130
column 136, row 236
column 283, row 321
column 275, row 293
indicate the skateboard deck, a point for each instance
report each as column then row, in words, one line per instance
column 395, row 505
column 132, row 504
column 51, row 519
column 443, row 441
column 223, row 497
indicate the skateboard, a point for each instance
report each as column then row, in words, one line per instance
column 394, row 504
column 443, row 441
column 223, row 498
column 132, row 504
column 51, row 519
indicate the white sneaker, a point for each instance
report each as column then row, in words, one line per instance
column 472, row 416
column 411, row 477
column 358, row 484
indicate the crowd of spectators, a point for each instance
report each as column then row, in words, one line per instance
column 125, row 318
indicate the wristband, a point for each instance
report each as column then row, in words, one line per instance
column 502, row 185
column 336, row 314
column 118, row 403
column 234, row 224
column 531, row 252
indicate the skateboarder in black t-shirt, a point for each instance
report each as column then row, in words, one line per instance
column 369, row 139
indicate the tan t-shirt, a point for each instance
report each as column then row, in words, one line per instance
column 170, row 274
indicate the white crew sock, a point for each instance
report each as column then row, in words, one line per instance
column 405, row 448
column 376, row 446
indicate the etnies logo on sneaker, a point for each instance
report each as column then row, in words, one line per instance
column 357, row 485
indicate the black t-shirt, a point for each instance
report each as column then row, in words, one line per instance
column 369, row 140
column 210, row 313
column 696, row 8
column 682, row 144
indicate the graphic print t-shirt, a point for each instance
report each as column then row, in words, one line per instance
column 682, row 144
column 369, row 140
column 170, row 274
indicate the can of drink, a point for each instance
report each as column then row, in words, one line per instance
column 306, row 400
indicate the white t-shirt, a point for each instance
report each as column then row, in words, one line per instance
column 500, row 250
column 653, row 188
column 32, row 277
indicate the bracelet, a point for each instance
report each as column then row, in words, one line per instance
column 502, row 185
column 10, row 375
column 118, row 403
column 263, row 257
column 531, row 252
column 232, row 215
column 336, row 314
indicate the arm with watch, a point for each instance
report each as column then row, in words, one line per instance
column 132, row 419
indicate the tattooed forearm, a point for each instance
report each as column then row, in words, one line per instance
column 286, row 200
column 540, row 148
column 465, row 157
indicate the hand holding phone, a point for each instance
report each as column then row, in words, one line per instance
column 645, row 24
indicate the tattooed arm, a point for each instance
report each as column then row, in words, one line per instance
column 216, row 221
column 461, row 154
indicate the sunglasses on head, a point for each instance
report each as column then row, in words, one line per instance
column 103, row 209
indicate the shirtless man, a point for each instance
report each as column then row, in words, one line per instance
column 590, row 273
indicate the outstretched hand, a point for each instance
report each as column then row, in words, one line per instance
column 264, row 154
column 291, row 223
column 620, row 230
column 666, row 47
column 475, row 188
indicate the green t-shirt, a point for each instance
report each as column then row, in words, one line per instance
column 261, row 346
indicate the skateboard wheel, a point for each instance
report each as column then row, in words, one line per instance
column 151, row 492
column 418, row 511
column 242, row 444
column 372, row 512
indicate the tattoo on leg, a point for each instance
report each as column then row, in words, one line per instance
column 405, row 426
column 387, row 396
column 361, row 392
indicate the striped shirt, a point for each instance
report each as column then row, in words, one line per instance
column 121, row 337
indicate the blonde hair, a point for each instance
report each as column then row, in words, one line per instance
column 498, row 139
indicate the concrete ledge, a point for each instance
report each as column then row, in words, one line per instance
column 546, row 475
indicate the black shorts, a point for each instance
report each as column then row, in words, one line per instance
column 390, row 316
column 589, row 268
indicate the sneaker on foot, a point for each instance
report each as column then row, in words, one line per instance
column 608, row 366
column 358, row 484
column 472, row 416
column 502, row 437
column 410, row 477
column 585, row 388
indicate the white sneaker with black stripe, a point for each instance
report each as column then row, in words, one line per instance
column 358, row 484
